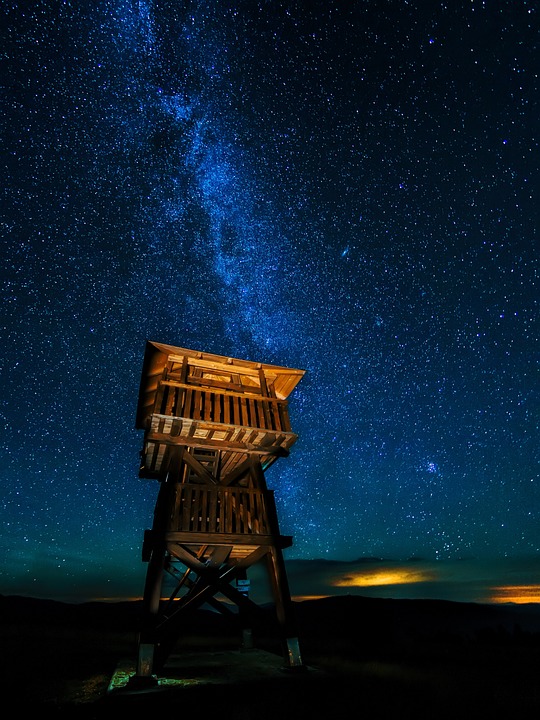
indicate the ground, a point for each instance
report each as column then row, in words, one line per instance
column 380, row 658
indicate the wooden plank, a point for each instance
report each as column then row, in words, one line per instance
column 204, row 512
column 245, row 404
column 273, row 417
column 206, row 410
column 256, row 513
column 222, row 505
column 263, row 383
column 183, row 554
column 236, row 409
column 185, row 408
column 262, row 414
column 273, row 407
column 247, row 500
column 149, row 455
column 197, row 405
column 225, row 446
column 245, row 416
column 263, row 526
column 219, row 391
column 221, row 386
column 230, row 477
column 185, row 369
column 218, row 408
column 176, row 515
column 196, row 538
column 185, row 502
column 158, row 402
column 196, row 467
column 252, row 507
column 241, row 367
column 229, row 513
column 227, row 401
column 218, row 556
column 268, row 418
column 180, row 391
column 241, row 525
column 212, row 511
column 285, row 422
column 168, row 393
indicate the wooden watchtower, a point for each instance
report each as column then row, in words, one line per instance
column 212, row 426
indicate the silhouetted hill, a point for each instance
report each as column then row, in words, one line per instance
column 393, row 657
column 118, row 615
column 348, row 616
column 353, row 615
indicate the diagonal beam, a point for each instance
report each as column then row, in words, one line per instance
column 238, row 472
column 198, row 467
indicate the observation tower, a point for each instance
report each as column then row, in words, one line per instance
column 212, row 427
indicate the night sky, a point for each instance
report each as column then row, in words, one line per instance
column 348, row 188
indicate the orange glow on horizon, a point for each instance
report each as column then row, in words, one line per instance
column 519, row 594
column 389, row 576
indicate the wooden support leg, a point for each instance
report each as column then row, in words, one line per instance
column 151, row 600
column 156, row 566
column 284, row 609
column 278, row 577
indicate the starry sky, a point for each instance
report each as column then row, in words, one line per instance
column 348, row 188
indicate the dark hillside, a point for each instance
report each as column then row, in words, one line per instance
column 388, row 658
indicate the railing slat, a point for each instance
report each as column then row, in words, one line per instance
column 210, row 405
column 220, row 510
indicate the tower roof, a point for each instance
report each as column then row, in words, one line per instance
column 157, row 355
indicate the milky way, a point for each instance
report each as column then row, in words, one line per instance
column 346, row 188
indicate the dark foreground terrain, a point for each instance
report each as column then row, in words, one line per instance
column 365, row 657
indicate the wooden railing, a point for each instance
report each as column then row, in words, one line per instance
column 214, row 405
column 228, row 510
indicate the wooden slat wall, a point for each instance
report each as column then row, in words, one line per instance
column 216, row 406
column 232, row 510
